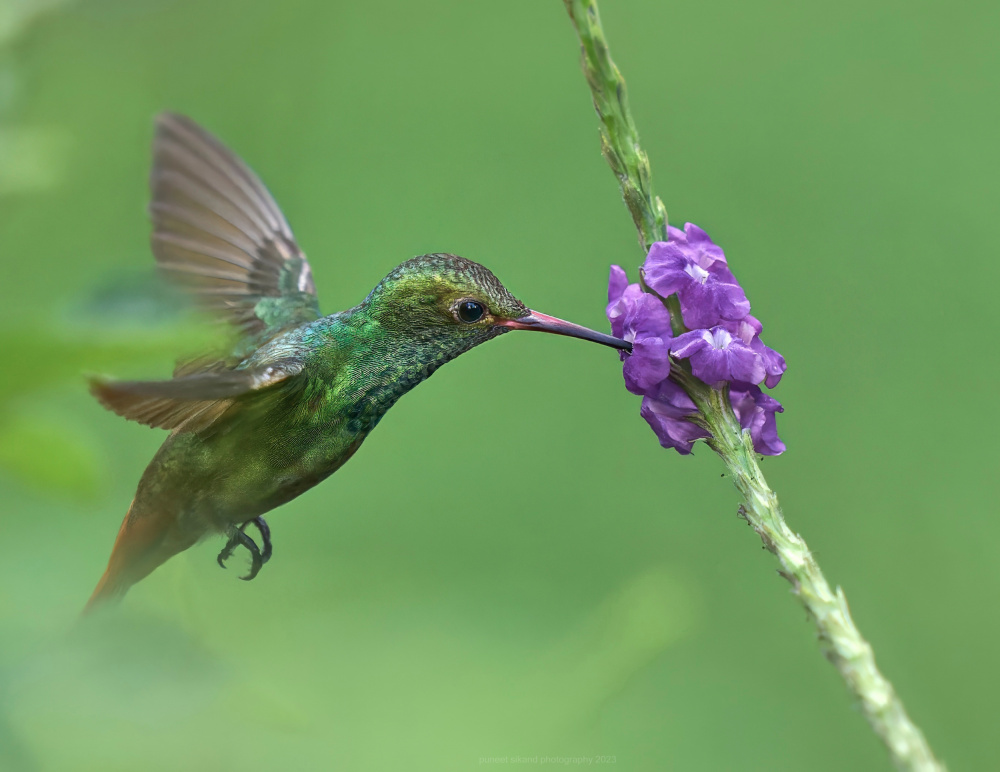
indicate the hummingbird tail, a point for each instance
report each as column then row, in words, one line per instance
column 145, row 540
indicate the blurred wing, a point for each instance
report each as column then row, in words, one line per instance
column 191, row 402
column 219, row 234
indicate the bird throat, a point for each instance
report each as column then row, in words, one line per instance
column 388, row 369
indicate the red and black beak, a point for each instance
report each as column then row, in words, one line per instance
column 545, row 323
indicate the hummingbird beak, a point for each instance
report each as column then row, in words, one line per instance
column 545, row 323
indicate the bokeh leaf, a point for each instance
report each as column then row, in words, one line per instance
column 52, row 454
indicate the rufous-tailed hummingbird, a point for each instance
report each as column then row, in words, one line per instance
column 258, row 423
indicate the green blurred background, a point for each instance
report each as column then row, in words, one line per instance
column 512, row 567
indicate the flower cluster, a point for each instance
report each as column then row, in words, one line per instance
column 723, row 345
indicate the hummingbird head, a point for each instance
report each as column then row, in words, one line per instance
column 457, row 304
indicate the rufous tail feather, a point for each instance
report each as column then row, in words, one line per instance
column 145, row 540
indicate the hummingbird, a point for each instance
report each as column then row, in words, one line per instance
column 292, row 394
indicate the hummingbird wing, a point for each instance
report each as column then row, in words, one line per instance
column 218, row 233
column 192, row 402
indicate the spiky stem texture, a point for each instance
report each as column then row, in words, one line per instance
column 839, row 638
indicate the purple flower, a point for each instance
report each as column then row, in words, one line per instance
column 694, row 268
column 774, row 363
column 756, row 413
column 641, row 319
column 716, row 355
column 621, row 298
column 666, row 410
column 617, row 303
column 748, row 329
column 723, row 346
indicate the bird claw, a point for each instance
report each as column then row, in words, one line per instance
column 258, row 556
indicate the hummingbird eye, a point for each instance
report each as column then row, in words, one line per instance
column 470, row 311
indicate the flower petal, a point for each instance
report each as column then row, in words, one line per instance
column 710, row 365
column 618, row 309
column 717, row 356
column 674, row 399
column 743, row 363
column 664, row 269
column 647, row 366
column 706, row 249
column 688, row 343
column 672, row 431
column 774, row 363
column 756, row 413
column 746, row 329
column 648, row 318
column 718, row 299
column 617, row 282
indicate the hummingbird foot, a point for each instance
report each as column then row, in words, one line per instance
column 258, row 556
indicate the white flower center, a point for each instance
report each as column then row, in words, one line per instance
column 721, row 338
column 696, row 272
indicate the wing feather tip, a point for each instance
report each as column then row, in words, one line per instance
column 168, row 118
column 208, row 206
column 114, row 395
column 125, row 399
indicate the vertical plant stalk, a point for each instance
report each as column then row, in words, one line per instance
column 839, row 638
column 619, row 138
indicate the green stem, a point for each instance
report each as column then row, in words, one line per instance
column 619, row 138
column 839, row 638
